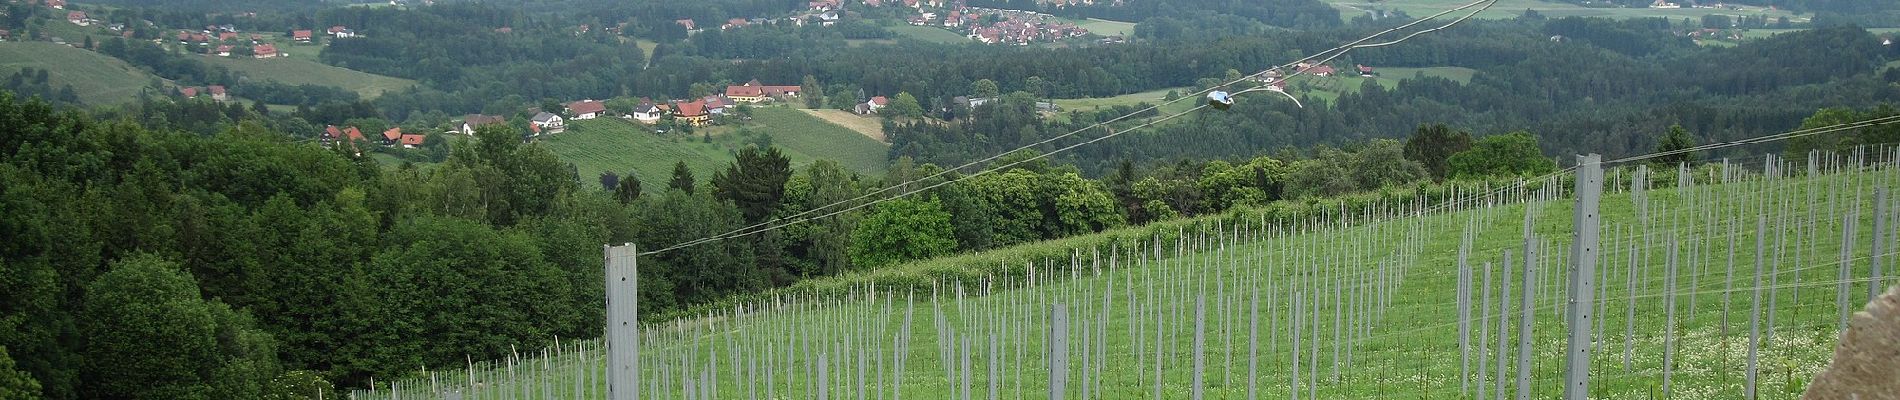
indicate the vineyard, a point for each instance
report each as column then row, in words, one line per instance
column 1711, row 281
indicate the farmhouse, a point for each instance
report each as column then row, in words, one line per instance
column 300, row 35
column 188, row 92
column 56, row 4
column 340, row 32
column 647, row 113
column 693, row 112
column 871, row 106
column 586, row 109
column 266, row 50
column 753, row 92
column 548, row 122
column 227, row 36
column 217, row 93
column 472, row 121
column 690, row 27
column 225, row 50
column 391, row 136
column 1366, row 71
column 733, row 23
column 332, row 134
column 78, row 18
column 411, row 140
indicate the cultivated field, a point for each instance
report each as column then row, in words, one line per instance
column 869, row 126
column 97, row 78
column 1705, row 286
column 292, row 70
column 1506, row 9
column 622, row 146
column 1151, row 97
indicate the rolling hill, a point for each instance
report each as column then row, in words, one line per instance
column 99, row 79
column 296, row 71
column 594, row 146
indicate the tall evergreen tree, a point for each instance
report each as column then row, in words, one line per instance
column 755, row 181
column 682, row 178
column 1676, row 140
column 628, row 190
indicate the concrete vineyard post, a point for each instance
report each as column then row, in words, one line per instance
column 1583, row 275
column 623, row 322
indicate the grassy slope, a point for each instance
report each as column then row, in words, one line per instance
column 1106, row 27
column 928, row 34
column 1506, row 9
column 293, row 70
column 621, row 146
column 1412, row 350
column 97, row 78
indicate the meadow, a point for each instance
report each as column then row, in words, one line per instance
column 97, row 78
column 297, row 71
column 1413, row 301
column 928, row 34
column 598, row 145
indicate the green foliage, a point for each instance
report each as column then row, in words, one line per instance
column 904, row 105
column 984, row 88
column 208, row 351
column 1676, row 140
column 1433, row 145
column 15, row 384
column 682, row 178
column 902, row 230
column 628, row 189
column 755, row 181
column 1511, row 154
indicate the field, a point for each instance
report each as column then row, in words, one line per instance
column 1107, row 28
column 292, row 70
column 97, row 78
column 1370, row 308
column 621, row 146
column 1151, row 97
column 1506, row 9
column 928, row 34
column 869, row 126
column 646, row 49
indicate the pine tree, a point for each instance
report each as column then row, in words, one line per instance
column 682, row 178
column 628, row 190
column 1676, row 140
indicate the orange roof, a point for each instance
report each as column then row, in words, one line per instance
column 300, row 34
column 692, row 109
column 745, row 91
column 353, row 134
column 392, row 134
column 412, row 139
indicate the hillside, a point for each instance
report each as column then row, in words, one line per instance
column 1388, row 290
column 99, row 80
column 620, row 146
column 298, row 71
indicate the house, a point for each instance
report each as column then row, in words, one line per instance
column 56, row 4
column 332, row 134
column 217, row 93
column 266, row 50
column 871, row 106
column 472, row 121
column 78, row 18
column 392, row 136
column 300, row 35
column 690, row 27
column 411, row 140
column 226, row 36
column 822, row 5
column 586, row 109
column 647, row 113
column 116, row 27
column 1664, row 4
column 340, row 32
column 188, row 92
column 1366, row 71
column 829, row 18
column 547, row 122
column 691, row 112
column 1317, row 69
column 733, row 23
column 200, row 38
column 747, row 93
column 224, row 50
column 717, row 105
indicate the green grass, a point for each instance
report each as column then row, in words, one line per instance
column 1411, row 349
column 1506, row 9
column 1156, row 96
column 598, row 145
column 292, row 70
column 1107, row 28
column 97, row 78
column 928, row 34
column 646, row 49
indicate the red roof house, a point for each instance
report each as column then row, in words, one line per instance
column 224, row 50
column 227, row 36
column 411, row 140
column 392, row 135
column 693, row 112
column 77, row 17
column 188, row 92
column 686, row 23
column 56, row 4
column 217, row 93
column 301, row 35
column 266, row 50
column 586, row 109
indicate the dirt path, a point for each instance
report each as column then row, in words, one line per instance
column 868, row 126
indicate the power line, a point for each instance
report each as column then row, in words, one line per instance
column 800, row 217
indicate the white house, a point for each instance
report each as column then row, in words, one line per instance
column 546, row 122
column 648, row 113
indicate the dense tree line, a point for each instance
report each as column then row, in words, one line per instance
column 1304, row 14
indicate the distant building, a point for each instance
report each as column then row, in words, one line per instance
column 546, row 122
column 300, row 35
column 266, row 50
column 341, row 31
column 473, row 121
column 217, row 93
column 647, row 113
column 188, row 92
column 693, row 112
column 586, row 109
column 411, row 140
column 78, row 18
